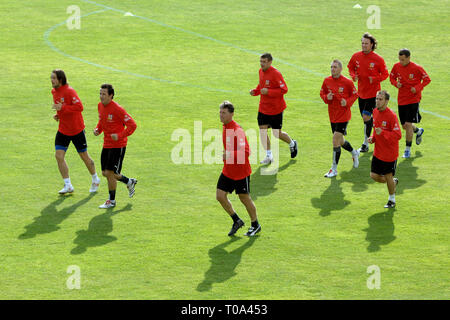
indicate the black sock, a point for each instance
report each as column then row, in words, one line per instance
column 235, row 217
column 336, row 155
column 408, row 143
column 347, row 146
column 255, row 223
column 369, row 125
column 112, row 194
column 124, row 179
column 416, row 130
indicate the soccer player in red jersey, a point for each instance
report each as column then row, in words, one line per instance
column 369, row 70
column 236, row 171
column 116, row 125
column 339, row 93
column 386, row 135
column 68, row 109
column 410, row 79
column 272, row 88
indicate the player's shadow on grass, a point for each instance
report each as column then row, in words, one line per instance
column 223, row 263
column 332, row 199
column 381, row 230
column 264, row 185
column 51, row 217
column 407, row 175
column 97, row 233
column 359, row 177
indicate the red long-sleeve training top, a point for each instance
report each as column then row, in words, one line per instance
column 70, row 119
column 411, row 75
column 114, row 119
column 236, row 166
column 365, row 66
column 273, row 102
column 386, row 143
column 342, row 88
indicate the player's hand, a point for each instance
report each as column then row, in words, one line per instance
column 413, row 90
column 399, row 85
column 57, row 106
column 96, row 133
column 370, row 140
column 264, row 91
column 370, row 80
column 252, row 92
column 114, row 136
column 343, row 102
column 330, row 95
column 378, row 130
column 56, row 117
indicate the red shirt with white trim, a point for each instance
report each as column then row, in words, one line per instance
column 365, row 66
column 386, row 143
column 342, row 88
column 114, row 119
column 273, row 102
column 410, row 76
column 237, row 150
column 70, row 119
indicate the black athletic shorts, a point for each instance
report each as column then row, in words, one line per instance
column 274, row 121
column 112, row 159
column 366, row 106
column 409, row 113
column 381, row 167
column 339, row 127
column 229, row 185
column 79, row 141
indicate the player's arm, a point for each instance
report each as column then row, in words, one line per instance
column 256, row 91
column 393, row 132
column 352, row 95
column 425, row 80
column 352, row 69
column 241, row 148
column 393, row 78
column 130, row 125
column 383, row 72
column 326, row 93
column 282, row 87
column 74, row 104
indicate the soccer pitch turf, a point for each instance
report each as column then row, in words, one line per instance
column 172, row 63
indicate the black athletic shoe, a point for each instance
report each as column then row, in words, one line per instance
column 236, row 225
column 364, row 148
column 294, row 149
column 252, row 231
column 390, row 204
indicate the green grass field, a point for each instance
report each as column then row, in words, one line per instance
column 173, row 63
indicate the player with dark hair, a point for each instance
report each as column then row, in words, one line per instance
column 339, row 93
column 117, row 125
column 68, row 108
column 369, row 70
column 272, row 88
column 410, row 79
column 386, row 135
column 236, row 171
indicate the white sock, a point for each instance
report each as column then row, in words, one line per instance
column 408, row 148
column 392, row 197
column 269, row 153
column 94, row 177
column 291, row 144
column 334, row 167
column 67, row 182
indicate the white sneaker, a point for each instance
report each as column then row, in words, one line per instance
column 267, row 160
column 130, row 186
column 108, row 204
column 330, row 174
column 66, row 189
column 94, row 186
column 355, row 159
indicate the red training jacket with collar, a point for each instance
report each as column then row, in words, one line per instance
column 236, row 166
column 342, row 88
column 114, row 119
column 411, row 75
column 365, row 66
column 70, row 119
column 386, row 143
column 273, row 102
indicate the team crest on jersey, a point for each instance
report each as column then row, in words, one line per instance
column 62, row 100
column 267, row 82
column 383, row 123
column 126, row 118
column 110, row 117
column 341, row 89
column 372, row 64
column 411, row 75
